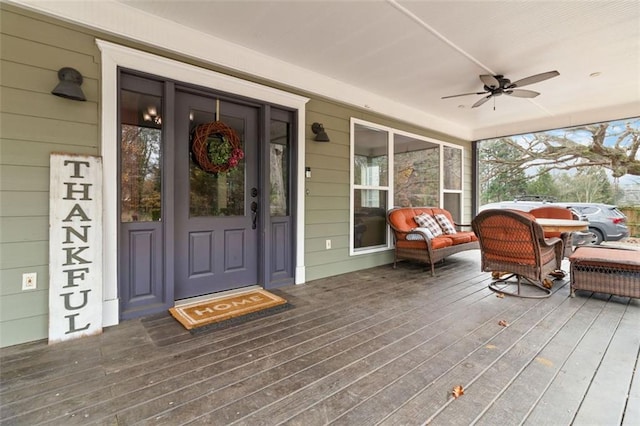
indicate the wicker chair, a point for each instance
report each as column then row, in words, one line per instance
column 554, row 212
column 513, row 243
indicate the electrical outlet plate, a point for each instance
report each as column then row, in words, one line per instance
column 328, row 244
column 29, row 281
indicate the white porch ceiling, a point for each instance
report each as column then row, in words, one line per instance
column 397, row 55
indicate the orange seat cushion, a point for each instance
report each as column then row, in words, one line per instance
column 459, row 238
column 436, row 243
column 441, row 242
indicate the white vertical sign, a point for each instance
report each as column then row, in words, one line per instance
column 75, row 247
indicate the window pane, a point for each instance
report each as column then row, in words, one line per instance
column 279, row 167
column 452, row 167
column 371, row 160
column 416, row 172
column 452, row 203
column 217, row 194
column 370, row 226
column 140, row 157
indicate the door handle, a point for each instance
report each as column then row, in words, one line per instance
column 254, row 215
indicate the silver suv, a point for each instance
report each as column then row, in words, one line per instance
column 606, row 222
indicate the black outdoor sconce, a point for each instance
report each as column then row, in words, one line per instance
column 69, row 86
column 321, row 135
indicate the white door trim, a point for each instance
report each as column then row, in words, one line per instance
column 114, row 56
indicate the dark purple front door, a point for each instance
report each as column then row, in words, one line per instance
column 217, row 223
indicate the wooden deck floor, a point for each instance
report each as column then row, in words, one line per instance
column 379, row 346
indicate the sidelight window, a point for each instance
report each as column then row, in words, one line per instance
column 279, row 167
column 140, row 154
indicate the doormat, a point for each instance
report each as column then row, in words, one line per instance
column 227, row 310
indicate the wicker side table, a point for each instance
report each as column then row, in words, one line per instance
column 611, row 271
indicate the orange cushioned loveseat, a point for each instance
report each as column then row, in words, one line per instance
column 414, row 242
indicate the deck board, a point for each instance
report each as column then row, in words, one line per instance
column 517, row 399
column 486, row 386
column 435, row 390
column 337, row 372
column 380, row 382
column 572, row 383
column 379, row 346
column 632, row 410
column 602, row 404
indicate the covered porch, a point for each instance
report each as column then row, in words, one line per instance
column 376, row 346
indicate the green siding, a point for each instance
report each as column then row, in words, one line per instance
column 15, row 229
column 34, row 123
column 25, row 304
column 23, row 330
column 30, row 153
column 327, row 216
column 24, row 255
column 24, row 204
column 343, row 264
column 37, row 129
column 12, row 279
column 24, row 178
column 43, row 54
column 18, row 101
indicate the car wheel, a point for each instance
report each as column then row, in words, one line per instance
column 598, row 234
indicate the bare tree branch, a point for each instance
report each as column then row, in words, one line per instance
column 568, row 150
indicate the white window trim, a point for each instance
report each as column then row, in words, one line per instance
column 443, row 190
column 114, row 56
column 353, row 186
column 391, row 132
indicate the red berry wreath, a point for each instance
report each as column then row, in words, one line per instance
column 216, row 147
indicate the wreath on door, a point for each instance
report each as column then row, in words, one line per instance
column 216, row 147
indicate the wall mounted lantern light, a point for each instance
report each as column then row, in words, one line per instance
column 321, row 135
column 69, row 86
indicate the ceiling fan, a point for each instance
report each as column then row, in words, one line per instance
column 496, row 85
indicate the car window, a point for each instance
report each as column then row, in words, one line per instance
column 588, row 210
column 614, row 212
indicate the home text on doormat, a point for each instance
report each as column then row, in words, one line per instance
column 220, row 309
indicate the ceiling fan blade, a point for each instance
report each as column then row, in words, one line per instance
column 464, row 94
column 481, row 101
column 520, row 93
column 490, row 81
column 534, row 79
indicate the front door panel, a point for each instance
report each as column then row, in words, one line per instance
column 216, row 195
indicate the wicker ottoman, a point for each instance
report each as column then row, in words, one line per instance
column 603, row 270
